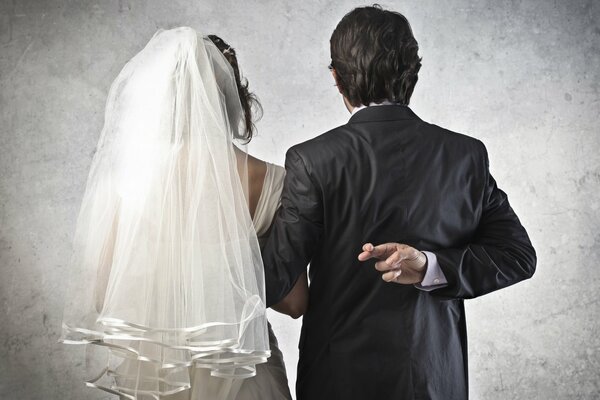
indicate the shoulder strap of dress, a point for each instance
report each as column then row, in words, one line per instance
column 269, row 198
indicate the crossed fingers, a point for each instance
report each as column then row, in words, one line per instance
column 393, row 258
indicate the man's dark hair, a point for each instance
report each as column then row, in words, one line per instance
column 375, row 56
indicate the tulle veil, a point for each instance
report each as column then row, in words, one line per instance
column 166, row 270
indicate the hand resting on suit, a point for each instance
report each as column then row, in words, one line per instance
column 398, row 263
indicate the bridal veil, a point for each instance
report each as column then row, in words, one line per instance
column 167, row 271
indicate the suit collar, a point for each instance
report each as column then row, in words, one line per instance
column 382, row 113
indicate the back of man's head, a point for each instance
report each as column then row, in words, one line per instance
column 375, row 56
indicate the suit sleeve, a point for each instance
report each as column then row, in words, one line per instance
column 296, row 231
column 499, row 255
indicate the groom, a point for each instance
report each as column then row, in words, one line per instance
column 384, row 176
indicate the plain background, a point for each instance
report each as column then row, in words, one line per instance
column 523, row 76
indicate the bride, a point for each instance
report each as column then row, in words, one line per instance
column 168, row 278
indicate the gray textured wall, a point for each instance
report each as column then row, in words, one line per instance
column 523, row 76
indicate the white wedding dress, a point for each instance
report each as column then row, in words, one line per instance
column 167, row 288
column 270, row 382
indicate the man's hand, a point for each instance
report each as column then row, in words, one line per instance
column 398, row 263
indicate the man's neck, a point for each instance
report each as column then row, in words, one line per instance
column 383, row 103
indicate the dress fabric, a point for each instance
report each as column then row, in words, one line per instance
column 270, row 382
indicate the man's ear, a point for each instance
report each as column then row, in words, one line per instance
column 349, row 106
column 336, row 79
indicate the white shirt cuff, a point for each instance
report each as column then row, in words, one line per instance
column 434, row 276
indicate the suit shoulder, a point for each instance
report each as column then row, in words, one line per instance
column 455, row 139
column 317, row 143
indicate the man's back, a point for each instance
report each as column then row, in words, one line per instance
column 384, row 176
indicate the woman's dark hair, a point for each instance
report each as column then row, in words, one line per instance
column 250, row 104
column 375, row 56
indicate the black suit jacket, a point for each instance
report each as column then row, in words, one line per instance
column 388, row 176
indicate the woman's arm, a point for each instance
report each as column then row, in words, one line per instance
column 295, row 302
